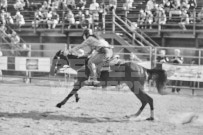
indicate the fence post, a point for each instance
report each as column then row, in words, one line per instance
column 28, row 73
column 34, row 23
column 194, row 22
column 63, row 21
column 113, row 21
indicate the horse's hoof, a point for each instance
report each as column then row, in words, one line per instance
column 77, row 100
column 150, row 119
column 58, row 105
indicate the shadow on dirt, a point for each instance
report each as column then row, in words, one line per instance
column 51, row 116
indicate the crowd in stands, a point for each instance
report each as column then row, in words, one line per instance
column 160, row 13
column 79, row 15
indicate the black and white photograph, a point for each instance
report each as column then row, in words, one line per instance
column 101, row 67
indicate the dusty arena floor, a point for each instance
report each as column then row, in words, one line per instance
column 30, row 110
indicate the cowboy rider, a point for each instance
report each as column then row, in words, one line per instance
column 99, row 52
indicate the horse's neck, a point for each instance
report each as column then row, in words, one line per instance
column 75, row 62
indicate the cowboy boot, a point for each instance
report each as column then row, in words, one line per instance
column 95, row 81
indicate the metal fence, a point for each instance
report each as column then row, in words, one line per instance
column 143, row 53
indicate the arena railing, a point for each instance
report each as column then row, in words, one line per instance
column 187, row 71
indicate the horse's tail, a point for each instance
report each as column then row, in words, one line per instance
column 160, row 77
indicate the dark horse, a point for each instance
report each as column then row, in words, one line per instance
column 130, row 73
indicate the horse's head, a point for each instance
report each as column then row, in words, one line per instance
column 65, row 59
column 58, row 61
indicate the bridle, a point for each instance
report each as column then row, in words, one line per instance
column 56, row 66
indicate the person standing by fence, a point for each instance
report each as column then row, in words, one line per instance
column 161, row 58
column 177, row 59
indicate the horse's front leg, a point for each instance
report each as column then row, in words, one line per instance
column 76, row 87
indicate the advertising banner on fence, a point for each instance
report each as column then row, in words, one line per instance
column 32, row 64
column 3, row 63
column 184, row 72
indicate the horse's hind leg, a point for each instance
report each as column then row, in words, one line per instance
column 77, row 86
column 144, row 98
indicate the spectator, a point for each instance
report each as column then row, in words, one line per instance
column 175, row 8
column 3, row 17
column 15, row 39
column 112, row 5
column 81, row 5
column 127, row 5
column 177, row 59
column 49, row 19
column 9, row 19
column 200, row 15
column 141, row 17
column 167, row 5
column 149, row 18
column 184, row 19
column 45, row 6
column 19, row 19
column 88, row 19
column 162, row 17
column 44, row 18
column 94, row 7
column 102, row 13
column 38, row 19
column 3, row 4
column 161, row 58
column 19, row 5
column 192, row 4
column 69, row 4
column 184, row 5
column 150, row 5
column 70, row 19
column 55, row 5
column 79, row 19
column 54, row 20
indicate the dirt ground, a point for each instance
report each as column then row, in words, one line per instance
column 30, row 110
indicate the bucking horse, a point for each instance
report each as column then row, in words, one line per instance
column 128, row 72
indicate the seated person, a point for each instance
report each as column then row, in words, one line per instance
column 38, row 18
column 15, row 39
column 69, row 19
column 55, row 5
column 53, row 21
column 9, row 19
column 141, row 17
column 167, row 5
column 69, row 4
column 81, row 5
column 79, row 19
column 19, row 19
column 162, row 18
column 192, row 4
column 88, row 19
column 184, row 19
column 45, row 6
column 184, row 5
column 19, row 5
column 175, row 8
column 150, row 5
column 149, row 18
